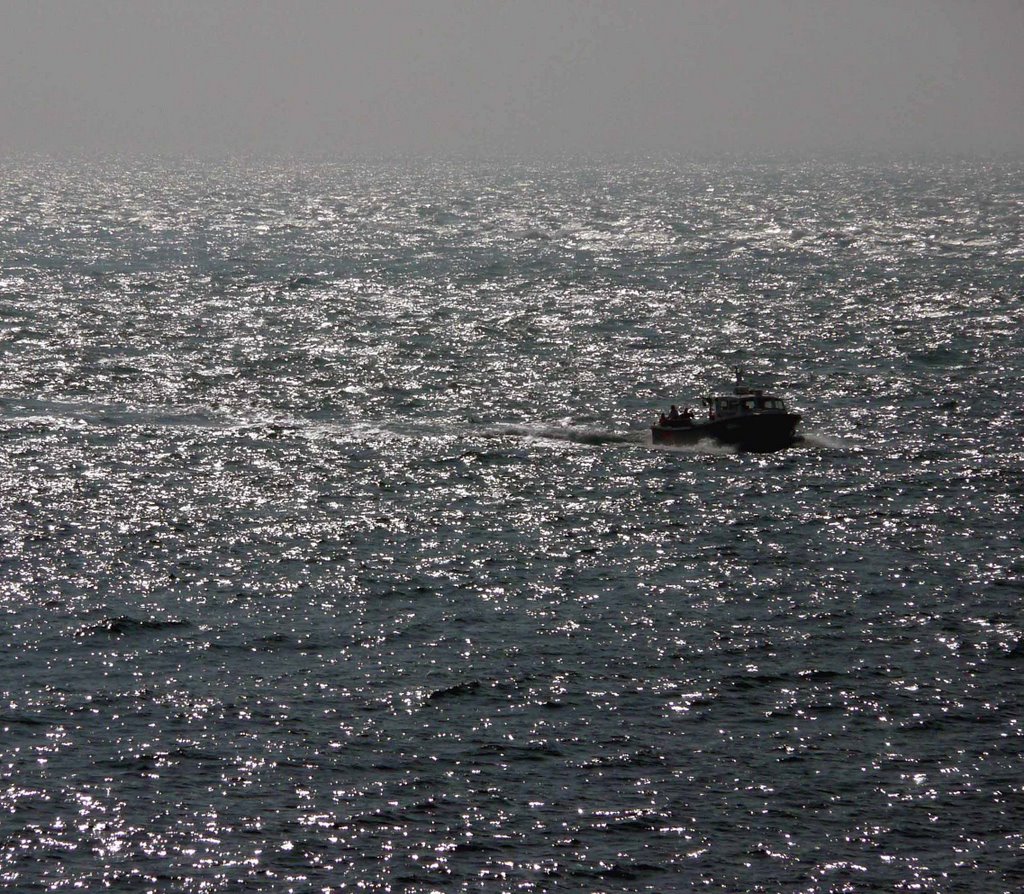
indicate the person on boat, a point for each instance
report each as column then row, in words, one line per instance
column 688, row 416
column 663, row 419
column 673, row 414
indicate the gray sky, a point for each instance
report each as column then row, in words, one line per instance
column 494, row 75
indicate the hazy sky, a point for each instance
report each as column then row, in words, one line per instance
column 490, row 75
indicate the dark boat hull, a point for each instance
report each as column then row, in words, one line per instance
column 756, row 433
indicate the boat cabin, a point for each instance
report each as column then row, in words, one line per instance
column 743, row 402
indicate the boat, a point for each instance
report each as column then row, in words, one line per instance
column 749, row 419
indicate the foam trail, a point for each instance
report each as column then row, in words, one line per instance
column 577, row 434
column 821, row 441
column 704, row 447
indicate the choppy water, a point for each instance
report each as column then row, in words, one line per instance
column 335, row 555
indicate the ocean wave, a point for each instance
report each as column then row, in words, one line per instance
column 126, row 625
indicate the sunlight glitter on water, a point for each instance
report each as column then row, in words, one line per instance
column 335, row 550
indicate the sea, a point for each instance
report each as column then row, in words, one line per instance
column 335, row 554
